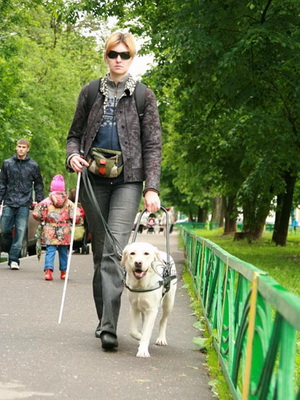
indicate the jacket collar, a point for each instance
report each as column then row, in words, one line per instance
column 128, row 88
column 15, row 157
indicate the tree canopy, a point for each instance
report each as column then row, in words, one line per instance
column 226, row 75
column 43, row 63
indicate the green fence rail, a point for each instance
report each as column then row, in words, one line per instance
column 255, row 322
column 215, row 225
column 200, row 225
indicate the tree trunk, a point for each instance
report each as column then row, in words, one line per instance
column 191, row 217
column 255, row 214
column 259, row 229
column 278, row 214
column 218, row 210
column 283, row 212
column 202, row 214
column 230, row 216
column 254, row 224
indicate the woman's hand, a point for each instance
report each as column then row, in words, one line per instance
column 77, row 162
column 151, row 201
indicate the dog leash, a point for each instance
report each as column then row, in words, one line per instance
column 90, row 192
column 167, row 277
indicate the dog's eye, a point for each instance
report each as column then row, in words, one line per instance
column 132, row 253
column 146, row 253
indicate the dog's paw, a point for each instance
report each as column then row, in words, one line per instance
column 143, row 352
column 136, row 335
column 161, row 342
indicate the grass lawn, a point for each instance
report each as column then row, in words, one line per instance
column 282, row 263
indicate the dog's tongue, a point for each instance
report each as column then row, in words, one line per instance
column 138, row 274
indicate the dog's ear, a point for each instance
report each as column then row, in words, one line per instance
column 124, row 257
column 158, row 256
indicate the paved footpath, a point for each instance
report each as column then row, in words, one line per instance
column 41, row 359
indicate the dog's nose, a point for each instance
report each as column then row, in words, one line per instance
column 138, row 264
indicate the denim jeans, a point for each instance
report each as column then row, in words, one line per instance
column 119, row 204
column 17, row 217
column 50, row 255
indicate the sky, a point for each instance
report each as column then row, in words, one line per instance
column 140, row 65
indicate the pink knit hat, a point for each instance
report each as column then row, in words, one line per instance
column 57, row 184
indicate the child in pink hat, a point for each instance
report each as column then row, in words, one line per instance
column 56, row 212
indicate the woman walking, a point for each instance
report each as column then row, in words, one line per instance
column 113, row 126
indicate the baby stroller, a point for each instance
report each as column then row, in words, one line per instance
column 151, row 223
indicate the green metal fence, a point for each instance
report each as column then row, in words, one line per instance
column 256, row 321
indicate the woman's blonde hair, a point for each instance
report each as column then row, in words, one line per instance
column 120, row 37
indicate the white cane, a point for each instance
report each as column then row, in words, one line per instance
column 71, row 247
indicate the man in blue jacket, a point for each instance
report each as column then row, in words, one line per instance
column 19, row 175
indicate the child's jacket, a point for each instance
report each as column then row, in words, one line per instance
column 57, row 212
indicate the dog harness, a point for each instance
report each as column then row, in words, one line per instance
column 166, row 283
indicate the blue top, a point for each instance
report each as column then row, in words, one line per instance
column 107, row 136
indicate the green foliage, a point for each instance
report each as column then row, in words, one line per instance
column 204, row 343
column 235, row 119
column 42, row 68
column 227, row 79
column 226, row 75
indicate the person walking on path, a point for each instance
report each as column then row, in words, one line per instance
column 56, row 213
column 113, row 124
column 19, row 176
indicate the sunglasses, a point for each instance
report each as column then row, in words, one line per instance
column 125, row 55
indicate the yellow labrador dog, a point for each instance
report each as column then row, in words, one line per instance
column 148, row 289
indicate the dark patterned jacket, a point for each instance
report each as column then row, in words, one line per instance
column 141, row 147
column 17, row 180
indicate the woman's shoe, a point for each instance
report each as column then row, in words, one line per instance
column 109, row 341
column 63, row 275
column 48, row 275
